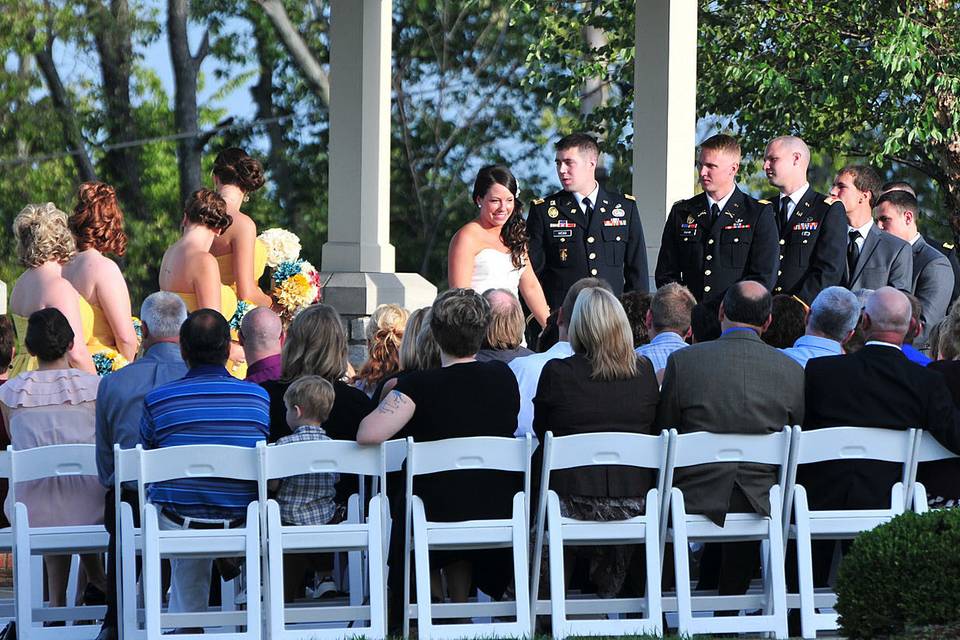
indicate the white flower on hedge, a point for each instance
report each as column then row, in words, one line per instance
column 282, row 246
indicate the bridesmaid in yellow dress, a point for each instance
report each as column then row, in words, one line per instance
column 44, row 243
column 97, row 226
column 189, row 270
column 240, row 256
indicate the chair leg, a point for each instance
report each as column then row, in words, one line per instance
column 558, row 588
column 521, row 564
column 681, row 559
column 777, row 573
column 151, row 573
column 421, row 554
column 652, row 550
column 808, row 609
column 375, row 557
column 22, row 572
column 274, row 582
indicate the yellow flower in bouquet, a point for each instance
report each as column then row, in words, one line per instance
column 295, row 291
column 108, row 361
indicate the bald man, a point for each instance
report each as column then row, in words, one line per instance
column 812, row 226
column 875, row 387
column 260, row 332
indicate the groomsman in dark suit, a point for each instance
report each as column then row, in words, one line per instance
column 585, row 230
column 720, row 236
column 875, row 387
column 874, row 259
column 933, row 279
column 812, row 226
column 734, row 384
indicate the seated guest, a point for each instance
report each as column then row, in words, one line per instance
column 484, row 399
column 942, row 479
column 855, row 343
column 527, row 369
column 948, row 345
column 704, row 323
column 734, row 384
column 120, row 409
column 418, row 351
column 181, row 412
column 6, row 357
column 875, row 387
column 306, row 499
column 668, row 323
column 834, row 315
column 789, row 315
column 549, row 335
column 260, row 336
column 917, row 329
column 504, row 337
column 54, row 404
column 636, row 304
column 603, row 365
column 385, row 332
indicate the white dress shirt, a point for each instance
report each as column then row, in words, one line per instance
column 794, row 199
column 592, row 195
column 527, row 370
column 721, row 203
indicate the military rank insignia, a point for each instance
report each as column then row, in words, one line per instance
column 553, row 212
column 806, row 226
column 615, row 222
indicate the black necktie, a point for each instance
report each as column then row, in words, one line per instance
column 714, row 212
column 587, row 209
column 784, row 213
column 853, row 252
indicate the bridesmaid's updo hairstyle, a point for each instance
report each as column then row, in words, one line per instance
column 208, row 208
column 234, row 166
column 42, row 234
column 48, row 334
column 97, row 221
column 514, row 231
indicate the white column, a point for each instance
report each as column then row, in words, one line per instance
column 3, row 297
column 664, row 112
column 359, row 223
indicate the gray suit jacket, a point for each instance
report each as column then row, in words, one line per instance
column 884, row 260
column 933, row 282
column 735, row 384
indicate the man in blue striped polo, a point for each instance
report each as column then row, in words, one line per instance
column 207, row 406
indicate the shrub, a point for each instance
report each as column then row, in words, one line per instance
column 902, row 576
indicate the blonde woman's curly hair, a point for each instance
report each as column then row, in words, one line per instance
column 384, row 334
column 42, row 235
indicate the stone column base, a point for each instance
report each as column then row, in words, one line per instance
column 356, row 295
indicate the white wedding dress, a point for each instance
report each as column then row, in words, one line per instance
column 494, row 269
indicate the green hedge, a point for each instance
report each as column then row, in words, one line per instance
column 902, row 577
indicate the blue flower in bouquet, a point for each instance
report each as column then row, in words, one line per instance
column 243, row 308
column 108, row 361
column 286, row 269
column 137, row 328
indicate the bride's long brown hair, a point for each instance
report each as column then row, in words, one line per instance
column 514, row 230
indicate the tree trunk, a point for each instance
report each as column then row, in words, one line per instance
column 310, row 68
column 595, row 91
column 112, row 35
column 72, row 135
column 185, row 69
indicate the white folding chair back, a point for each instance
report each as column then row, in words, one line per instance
column 361, row 538
column 925, row 449
column 6, row 540
column 476, row 453
column 586, row 450
column 55, row 461
column 848, row 444
column 126, row 469
column 692, row 449
column 200, row 461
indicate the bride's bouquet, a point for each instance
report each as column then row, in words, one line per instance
column 296, row 282
column 108, row 360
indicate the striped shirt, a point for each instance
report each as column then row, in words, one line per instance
column 207, row 406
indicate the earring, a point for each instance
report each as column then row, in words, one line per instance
column 246, row 198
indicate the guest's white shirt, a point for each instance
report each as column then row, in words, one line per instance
column 527, row 370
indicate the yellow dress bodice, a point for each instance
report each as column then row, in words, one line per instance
column 228, row 306
column 101, row 334
column 225, row 263
column 23, row 361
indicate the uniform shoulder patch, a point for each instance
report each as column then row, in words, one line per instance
column 761, row 201
column 948, row 246
column 829, row 199
column 538, row 201
column 629, row 197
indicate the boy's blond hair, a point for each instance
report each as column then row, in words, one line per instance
column 314, row 395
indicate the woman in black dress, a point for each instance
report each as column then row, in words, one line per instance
column 462, row 398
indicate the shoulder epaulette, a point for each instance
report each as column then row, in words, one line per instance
column 629, row 197
column 764, row 201
column 829, row 199
column 948, row 246
column 538, row 201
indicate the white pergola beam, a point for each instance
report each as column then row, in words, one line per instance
column 664, row 112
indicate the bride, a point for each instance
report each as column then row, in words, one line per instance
column 490, row 251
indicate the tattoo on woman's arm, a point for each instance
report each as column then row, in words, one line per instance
column 391, row 404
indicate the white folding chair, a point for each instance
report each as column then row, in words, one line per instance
column 487, row 453
column 200, row 461
column 365, row 536
column 847, row 444
column 925, row 449
column 692, row 449
column 6, row 541
column 584, row 450
column 55, row 461
column 126, row 469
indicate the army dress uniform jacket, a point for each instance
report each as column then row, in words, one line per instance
column 564, row 246
column 813, row 247
column 708, row 257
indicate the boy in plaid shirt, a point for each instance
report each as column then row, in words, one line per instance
column 306, row 499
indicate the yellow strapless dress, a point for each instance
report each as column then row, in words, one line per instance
column 225, row 262
column 103, row 341
column 228, row 306
column 23, row 361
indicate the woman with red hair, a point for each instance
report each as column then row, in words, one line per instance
column 97, row 226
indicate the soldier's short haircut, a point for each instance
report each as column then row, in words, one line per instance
column 721, row 142
column 584, row 143
column 901, row 200
column 865, row 178
column 898, row 185
column 671, row 307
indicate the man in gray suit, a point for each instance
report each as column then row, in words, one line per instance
column 874, row 259
column 933, row 278
column 735, row 384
